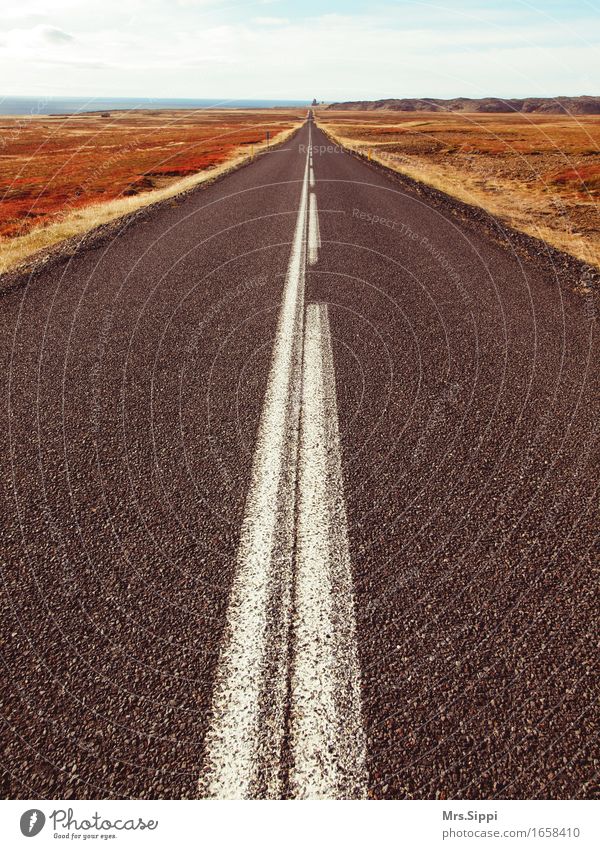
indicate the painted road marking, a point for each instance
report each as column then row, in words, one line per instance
column 314, row 231
column 326, row 733
column 293, row 556
column 312, row 178
column 245, row 736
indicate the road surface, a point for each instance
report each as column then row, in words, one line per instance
column 300, row 489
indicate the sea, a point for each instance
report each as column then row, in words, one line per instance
column 70, row 105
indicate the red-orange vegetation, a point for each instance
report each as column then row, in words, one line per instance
column 50, row 165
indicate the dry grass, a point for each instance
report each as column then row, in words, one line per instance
column 63, row 176
column 538, row 173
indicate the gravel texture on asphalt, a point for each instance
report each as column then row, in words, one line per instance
column 467, row 394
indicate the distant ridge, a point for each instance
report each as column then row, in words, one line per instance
column 583, row 105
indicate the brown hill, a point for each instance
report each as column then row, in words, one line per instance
column 584, row 105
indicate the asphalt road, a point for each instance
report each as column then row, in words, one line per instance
column 300, row 499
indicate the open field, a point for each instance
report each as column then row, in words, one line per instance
column 539, row 173
column 62, row 175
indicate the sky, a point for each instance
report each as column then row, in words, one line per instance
column 277, row 49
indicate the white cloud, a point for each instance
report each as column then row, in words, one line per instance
column 35, row 37
column 271, row 22
column 55, row 35
column 75, row 63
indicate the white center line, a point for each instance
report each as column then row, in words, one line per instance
column 293, row 554
column 245, row 736
column 314, row 231
column 326, row 733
